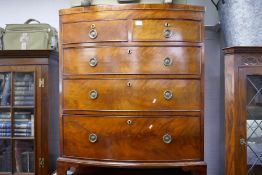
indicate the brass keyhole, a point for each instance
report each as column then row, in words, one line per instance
column 129, row 122
column 93, row 26
column 129, row 51
column 167, row 24
column 129, row 84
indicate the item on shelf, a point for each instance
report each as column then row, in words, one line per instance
column 1, row 38
column 5, row 128
column 5, row 89
column 5, row 156
column 27, row 36
column 78, row 3
column 24, row 90
column 24, row 156
column 127, row 1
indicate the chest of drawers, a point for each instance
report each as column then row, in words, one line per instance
column 131, row 88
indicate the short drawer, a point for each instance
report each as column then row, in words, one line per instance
column 167, row 30
column 133, row 60
column 131, row 94
column 132, row 138
column 96, row 31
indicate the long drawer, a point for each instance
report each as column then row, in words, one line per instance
column 131, row 94
column 95, row 31
column 133, row 60
column 167, row 30
column 132, row 138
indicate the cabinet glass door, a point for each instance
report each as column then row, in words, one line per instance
column 17, row 123
column 254, row 125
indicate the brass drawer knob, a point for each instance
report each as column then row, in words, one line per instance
column 93, row 34
column 92, row 138
column 167, row 138
column 93, row 62
column 93, row 94
column 168, row 33
column 167, row 61
column 168, row 94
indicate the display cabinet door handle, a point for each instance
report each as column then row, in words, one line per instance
column 93, row 62
column 93, row 94
column 243, row 141
column 167, row 138
column 168, row 33
column 167, row 61
column 92, row 138
column 168, row 94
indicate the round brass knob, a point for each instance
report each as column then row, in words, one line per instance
column 93, row 34
column 93, row 94
column 92, row 138
column 167, row 61
column 167, row 138
column 93, row 62
column 168, row 33
column 168, row 94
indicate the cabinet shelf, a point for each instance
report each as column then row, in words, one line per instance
column 24, row 107
column 5, row 107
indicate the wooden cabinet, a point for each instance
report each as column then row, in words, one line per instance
column 243, row 110
column 132, row 89
column 28, row 102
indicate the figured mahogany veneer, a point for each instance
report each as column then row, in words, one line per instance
column 132, row 74
column 130, row 142
column 141, row 60
column 79, row 32
column 140, row 94
column 153, row 30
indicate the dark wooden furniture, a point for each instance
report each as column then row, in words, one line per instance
column 28, row 112
column 132, row 89
column 243, row 110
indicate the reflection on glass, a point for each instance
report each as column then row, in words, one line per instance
column 5, row 88
column 254, row 125
column 24, row 156
column 24, row 89
column 5, row 156
column 5, row 124
column 23, row 124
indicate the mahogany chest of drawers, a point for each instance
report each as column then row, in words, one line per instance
column 131, row 88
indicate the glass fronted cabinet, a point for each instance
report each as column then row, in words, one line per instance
column 25, row 113
column 243, row 111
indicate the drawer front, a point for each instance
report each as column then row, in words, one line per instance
column 96, row 31
column 133, row 60
column 126, row 138
column 133, row 94
column 167, row 30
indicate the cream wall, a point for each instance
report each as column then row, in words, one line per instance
column 18, row 11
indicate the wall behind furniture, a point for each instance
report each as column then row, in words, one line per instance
column 18, row 11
